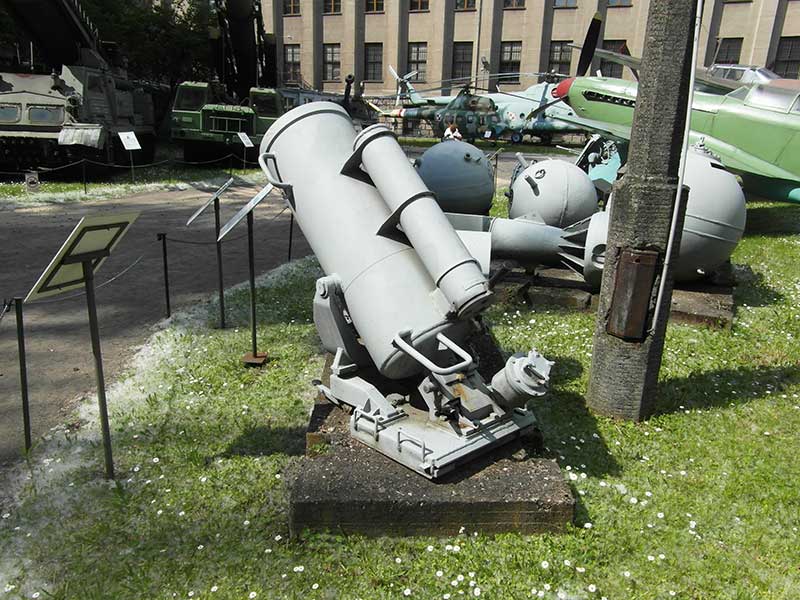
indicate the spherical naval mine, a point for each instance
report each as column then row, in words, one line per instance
column 555, row 192
column 460, row 175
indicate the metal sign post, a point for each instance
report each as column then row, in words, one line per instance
column 163, row 238
column 130, row 143
column 73, row 266
column 23, row 373
column 247, row 143
column 253, row 358
column 215, row 201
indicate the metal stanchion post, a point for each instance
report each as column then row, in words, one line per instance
column 83, row 169
column 133, row 177
column 23, row 373
column 163, row 238
column 219, row 266
column 254, row 359
column 291, row 232
column 94, row 330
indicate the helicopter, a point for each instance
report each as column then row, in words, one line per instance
column 490, row 116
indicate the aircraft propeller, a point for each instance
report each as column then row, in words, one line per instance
column 400, row 81
column 589, row 45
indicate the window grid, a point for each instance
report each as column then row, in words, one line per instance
column 291, row 7
column 291, row 63
column 510, row 60
column 612, row 3
column 729, row 51
column 418, row 5
column 560, row 57
column 331, row 62
column 331, row 7
column 465, row 4
column 418, row 60
column 373, row 62
column 787, row 59
column 462, row 60
column 565, row 3
column 373, row 6
column 607, row 67
column 513, row 3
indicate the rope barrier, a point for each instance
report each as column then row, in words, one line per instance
column 6, row 308
column 102, row 285
column 62, row 167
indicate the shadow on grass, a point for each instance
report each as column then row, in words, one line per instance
column 777, row 219
column 752, row 289
column 716, row 388
column 263, row 440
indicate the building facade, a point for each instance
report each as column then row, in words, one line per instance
column 321, row 41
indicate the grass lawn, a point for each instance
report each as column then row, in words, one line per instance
column 701, row 501
column 490, row 147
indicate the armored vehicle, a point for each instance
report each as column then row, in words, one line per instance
column 48, row 120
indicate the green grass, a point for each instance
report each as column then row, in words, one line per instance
column 201, row 444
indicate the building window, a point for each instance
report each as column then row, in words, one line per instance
column 373, row 6
column 729, row 51
column 513, row 3
column 291, row 63
column 462, row 60
column 465, row 4
column 613, row 3
column 331, row 7
column 418, row 60
column 418, row 5
column 787, row 59
column 331, row 62
column 291, row 7
column 565, row 3
column 560, row 57
column 510, row 57
column 607, row 67
column 373, row 62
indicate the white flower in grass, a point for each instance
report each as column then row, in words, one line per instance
column 407, row 592
column 660, row 515
column 567, row 563
column 6, row 515
column 626, row 573
column 650, row 557
column 155, row 459
column 9, row 587
column 439, row 573
column 633, row 500
column 35, row 595
column 460, row 577
column 587, row 525
column 200, row 547
column 446, row 597
column 456, row 548
column 592, row 588
column 398, row 560
column 545, row 564
column 315, row 586
column 547, row 586
column 580, row 569
column 299, row 569
column 252, row 595
column 476, row 591
column 191, row 594
column 692, row 524
column 561, row 595
column 429, row 548
column 278, row 538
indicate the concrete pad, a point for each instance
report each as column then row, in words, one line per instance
column 344, row 487
column 702, row 303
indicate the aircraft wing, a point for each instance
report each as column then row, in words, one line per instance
column 739, row 161
column 613, row 130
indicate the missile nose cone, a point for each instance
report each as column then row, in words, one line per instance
column 562, row 89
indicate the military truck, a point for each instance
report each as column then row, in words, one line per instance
column 207, row 123
column 48, row 120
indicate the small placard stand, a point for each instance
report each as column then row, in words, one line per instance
column 131, row 143
column 247, row 143
column 215, row 200
column 74, row 266
column 254, row 358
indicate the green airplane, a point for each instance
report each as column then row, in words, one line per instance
column 754, row 131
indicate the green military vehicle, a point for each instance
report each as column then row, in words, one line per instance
column 208, row 125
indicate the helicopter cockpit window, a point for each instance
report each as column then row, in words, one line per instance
column 46, row 115
column 9, row 113
column 796, row 106
column 190, row 98
column 771, row 98
column 265, row 105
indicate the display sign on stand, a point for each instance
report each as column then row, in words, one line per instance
column 131, row 143
column 74, row 266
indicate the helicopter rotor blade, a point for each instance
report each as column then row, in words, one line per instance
column 589, row 45
column 537, row 111
column 410, row 75
column 394, row 73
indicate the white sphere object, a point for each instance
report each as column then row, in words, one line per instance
column 460, row 175
column 715, row 217
column 553, row 191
